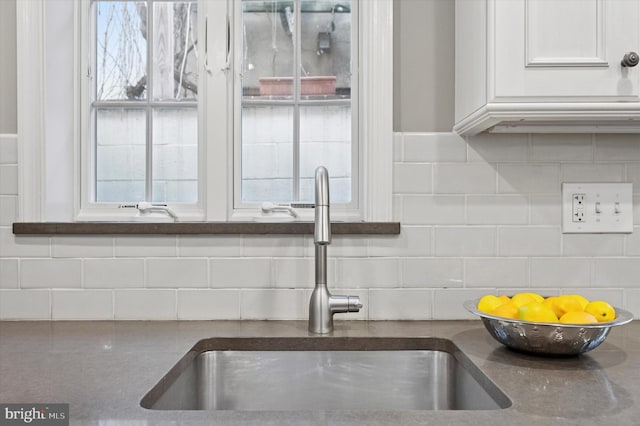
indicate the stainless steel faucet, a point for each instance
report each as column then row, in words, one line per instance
column 323, row 304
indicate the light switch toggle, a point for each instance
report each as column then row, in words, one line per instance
column 598, row 209
column 617, row 208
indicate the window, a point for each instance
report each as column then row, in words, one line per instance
column 146, row 71
column 296, row 108
column 141, row 105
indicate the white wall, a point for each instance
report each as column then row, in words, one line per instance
column 479, row 215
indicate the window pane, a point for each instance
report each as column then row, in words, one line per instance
column 325, row 140
column 175, row 155
column 267, row 60
column 120, row 155
column 121, row 50
column 175, row 50
column 267, row 150
column 325, row 70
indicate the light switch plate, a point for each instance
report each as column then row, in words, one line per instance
column 596, row 208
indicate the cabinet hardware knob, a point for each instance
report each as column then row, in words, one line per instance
column 631, row 59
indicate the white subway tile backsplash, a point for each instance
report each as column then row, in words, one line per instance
column 8, row 273
column 298, row 273
column 529, row 178
column 465, row 241
column 632, row 299
column 546, row 210
column 25, row 305
column 496, row 272
column 593, row 244
column 593, row 173
column 81, row 304
column 367, row 272
column 412, row 241
column 22, row 246
column 274, row 304
column 342, row 246
column 146, row 246
column 245, row 272
column 50, row 273
column 400, row 304
column 432, row 272
column 433, row 209
column 145, row 304
column 478, row 216
column 616, row 272
column 633, row 176
column 633, row 243
column 560, row 272
column 433, row 147
column 8, row 179
column 113, row 273
column 206, row 304
column 409, row 178
column 617, row 147
column 448, row 303
column 561, row 147
column 82, row 246
column 209, row 246
column 270, row 246
column 492, row 148
column 177, row 273
column 464, row 178
column 497, row 210
column 529, row 241
column 8, row 210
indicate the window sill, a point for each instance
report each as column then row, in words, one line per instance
column 200, row 228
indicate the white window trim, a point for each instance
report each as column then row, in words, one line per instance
column 376, row 115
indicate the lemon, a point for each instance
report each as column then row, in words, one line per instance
column 506, row 310
column 563, row 304
column 504, row 298
column 578, row 317
column 536, row 312
column 524, row 298
column 583, row 300
column 601, row 310
column 488, row 303
column 549, row 301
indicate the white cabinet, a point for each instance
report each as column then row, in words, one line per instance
column 547, row 66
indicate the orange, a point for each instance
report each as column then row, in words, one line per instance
column 577, row 317
column 601, row 310
column 506, row 310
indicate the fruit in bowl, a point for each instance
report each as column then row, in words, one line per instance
column 532, row 307
column 552, row 326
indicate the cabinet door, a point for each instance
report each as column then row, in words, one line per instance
column 564, row 50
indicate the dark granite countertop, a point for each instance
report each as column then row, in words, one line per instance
column 103, row 369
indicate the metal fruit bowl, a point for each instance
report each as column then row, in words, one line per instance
column 548, row 338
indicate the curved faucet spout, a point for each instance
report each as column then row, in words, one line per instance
column 323, row 305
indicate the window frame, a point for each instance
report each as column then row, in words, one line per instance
column 37, row 197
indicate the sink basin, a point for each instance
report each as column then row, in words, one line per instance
column 285, row 374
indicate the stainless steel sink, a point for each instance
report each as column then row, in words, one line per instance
column 325, row 374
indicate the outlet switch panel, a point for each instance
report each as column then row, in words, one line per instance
column 597, row 208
